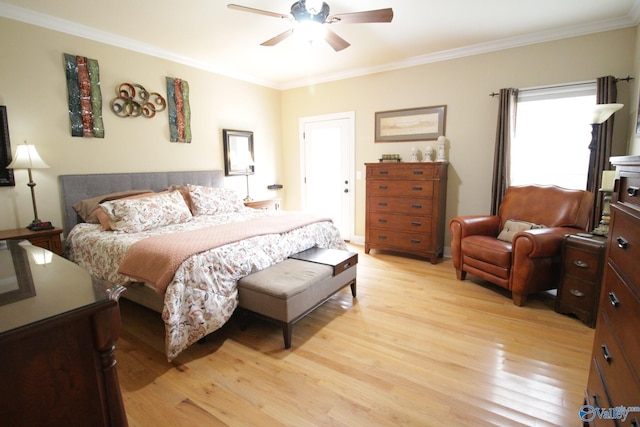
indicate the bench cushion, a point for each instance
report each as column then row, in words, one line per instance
column 287, row 278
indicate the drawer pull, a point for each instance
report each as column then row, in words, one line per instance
column 635, row 423
column 416, row 224
column 416, row 188
column 632, row 191
column 416, row 241
column 418, row 172
column 614, row 299
column 382, row 187
column 606, row 354
column 382, row 204
column 382, row 220
column 576, row 293
column 381, row 237
column 347, row 265
column 581, row 264
column 384, row 172
column 596, row 401
column 622, row 242
column 416, row 206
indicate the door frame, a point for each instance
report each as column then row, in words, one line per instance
column 351, row 117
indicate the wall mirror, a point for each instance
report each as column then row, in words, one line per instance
column 238, row 152
column 6, row 175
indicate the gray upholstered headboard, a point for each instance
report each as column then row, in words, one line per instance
column 74, row 188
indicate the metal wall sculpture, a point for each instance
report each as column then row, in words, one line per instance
column 179, row 110
column 85, row 98
column 134, row 100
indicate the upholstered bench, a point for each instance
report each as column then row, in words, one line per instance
column 286, row 292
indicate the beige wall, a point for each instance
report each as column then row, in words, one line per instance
column 33, row 87
column 464, row 86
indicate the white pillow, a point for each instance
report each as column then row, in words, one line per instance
column 513, row 226
column 214, row 200
column 135, row 215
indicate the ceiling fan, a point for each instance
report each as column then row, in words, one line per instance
column 314, row 15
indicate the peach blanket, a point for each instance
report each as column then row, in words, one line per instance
column 155, row 260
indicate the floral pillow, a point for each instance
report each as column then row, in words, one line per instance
column 146, row 213
column 214, row 200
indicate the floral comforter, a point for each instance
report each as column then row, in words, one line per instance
column 202, row 295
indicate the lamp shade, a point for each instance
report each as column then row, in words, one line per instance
column 27, row 157
column 602, row 112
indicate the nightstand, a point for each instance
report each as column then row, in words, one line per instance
column 48, row 239
column 264, row 204
column 583, row 261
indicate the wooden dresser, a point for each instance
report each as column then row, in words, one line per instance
column 405, row 208
column 614, row 376
column 58, row 327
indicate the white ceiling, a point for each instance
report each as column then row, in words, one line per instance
column 208, row 35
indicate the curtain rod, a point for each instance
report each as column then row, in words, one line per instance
column 626, row 79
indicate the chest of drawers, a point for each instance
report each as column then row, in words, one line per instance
column 405, row 208
column 614, row 376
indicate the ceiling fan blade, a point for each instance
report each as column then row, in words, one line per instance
column 277, row 39
column 380, row 15
column 258, row 11
column 335, row 41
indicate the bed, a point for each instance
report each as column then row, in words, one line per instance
column 196, row 255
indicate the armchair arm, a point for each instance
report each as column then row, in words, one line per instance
column 541, row 242
column 536, row 259
column 470, row 225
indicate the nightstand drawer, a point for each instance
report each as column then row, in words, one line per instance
column 582, row 264
column 578, row 293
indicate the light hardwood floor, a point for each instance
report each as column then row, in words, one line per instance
column 417, row 347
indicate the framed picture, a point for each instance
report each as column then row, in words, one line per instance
column 413, row 124
column 238, row 152
column 6, row 175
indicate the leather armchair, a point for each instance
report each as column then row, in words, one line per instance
column 531, row 262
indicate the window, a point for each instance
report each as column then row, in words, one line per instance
column 552, row 135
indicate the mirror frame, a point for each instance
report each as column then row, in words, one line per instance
column 233, row 141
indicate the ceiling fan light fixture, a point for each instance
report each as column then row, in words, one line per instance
column 310, row 31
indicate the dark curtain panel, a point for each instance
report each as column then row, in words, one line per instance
column 606, row 93
column 504, row 132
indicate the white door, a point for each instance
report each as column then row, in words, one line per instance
column 327, row 173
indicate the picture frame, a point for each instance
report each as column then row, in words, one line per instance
column 411, row 124
column 238, row 152
column 6, row 175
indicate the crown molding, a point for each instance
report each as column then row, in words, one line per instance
column 482, row 48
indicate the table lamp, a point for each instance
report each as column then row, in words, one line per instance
column 246, row 160
column 27, row 157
